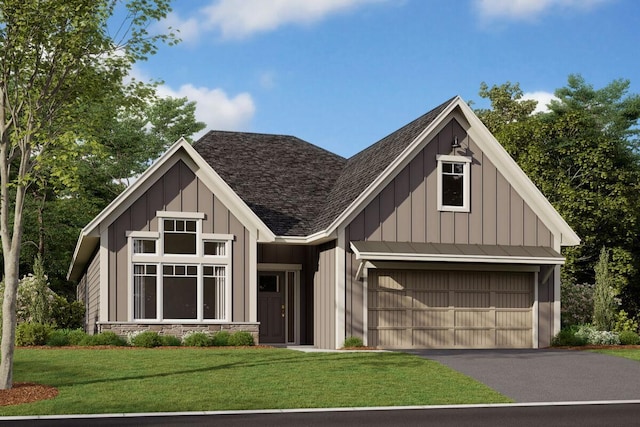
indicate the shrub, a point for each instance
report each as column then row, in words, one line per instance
column 629, row 338
column 58, row 338
column 65, row 314
column 567, row 337
column 352, row 342
column 604, row 301
column 170, row 341
column 577, row 303
column 31, row 333
column 221, row 338
column 623, row 323
column 596, row 337
column 104, row 338
column 197, row 339
column 146, row 339
column 76, row 336
column 241, row 338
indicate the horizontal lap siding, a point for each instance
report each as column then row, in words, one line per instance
column 325, row 297
column 177, row 190
column 88, row 292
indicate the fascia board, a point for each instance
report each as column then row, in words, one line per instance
column 398, row 163
column 378, row 256
column 505, row 164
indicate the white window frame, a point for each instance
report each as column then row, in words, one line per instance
column 466, row 182
column 199, row 259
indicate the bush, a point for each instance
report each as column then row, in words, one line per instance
column 31, row 333
column 623, row 323
column 577, row 303
column 58, row 338
column 197, row 339
column 595, row 337
column 567, row 337
column 241, row 338
column 629, row 338
column 170, row 341
column 104, row 338
column 352, row 342
column 76, row 336
column 146, row 339
column 65, row 314
column 221, row 338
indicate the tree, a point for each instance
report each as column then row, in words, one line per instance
column 582, row 154
column 131, row 140
column 604, row 304
column 59, row 70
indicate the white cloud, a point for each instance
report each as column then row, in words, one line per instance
column 543, row 98
column 215, row 108
column 242, row 18
column 529, row 9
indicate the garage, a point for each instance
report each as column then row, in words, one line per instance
column 450, row 309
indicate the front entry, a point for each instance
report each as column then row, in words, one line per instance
column 271, row 307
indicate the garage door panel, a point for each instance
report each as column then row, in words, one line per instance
column 423, row 299
column 432, row 338
column 512, row 300
column 459, row 309
column 514, row 319
column 472, row 299
column 471, row 318
column 392, row 318
column 433, row 318
column 474, row 338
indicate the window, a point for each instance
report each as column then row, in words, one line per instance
column 179, row 272
column 453, row 183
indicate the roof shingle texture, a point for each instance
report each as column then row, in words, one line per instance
column 295, row 187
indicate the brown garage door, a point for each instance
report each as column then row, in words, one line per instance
column 449, row 309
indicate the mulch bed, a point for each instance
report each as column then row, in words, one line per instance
column 26, row 393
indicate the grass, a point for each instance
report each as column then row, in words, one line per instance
column 629, row 353
column 190, row 379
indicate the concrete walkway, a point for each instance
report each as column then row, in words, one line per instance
column 546, row 375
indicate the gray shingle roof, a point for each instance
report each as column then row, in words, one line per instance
column 283, row 179
column 295, row 187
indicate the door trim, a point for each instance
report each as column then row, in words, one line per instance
column 286, row 269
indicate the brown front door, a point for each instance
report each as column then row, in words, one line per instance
column 271, row 307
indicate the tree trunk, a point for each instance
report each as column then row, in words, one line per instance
column 8, row 320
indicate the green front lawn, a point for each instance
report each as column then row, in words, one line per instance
column 629, row 353
column 208, row 379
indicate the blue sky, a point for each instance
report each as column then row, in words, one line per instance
column 342, row 74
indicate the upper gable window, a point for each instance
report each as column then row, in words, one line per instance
column 180, row 236
column 453, row 183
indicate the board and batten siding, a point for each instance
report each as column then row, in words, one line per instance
column 405, row 210
column 88, row 292
column 179, row 189
column 324, row 324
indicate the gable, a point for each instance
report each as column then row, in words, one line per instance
column 406, row 210
column 179, row 188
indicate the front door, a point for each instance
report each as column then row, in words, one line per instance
column 271, row 307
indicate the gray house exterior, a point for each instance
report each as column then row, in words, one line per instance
column 432, row 237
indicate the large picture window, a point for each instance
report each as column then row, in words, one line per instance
column 453, row 183
column 179, row 272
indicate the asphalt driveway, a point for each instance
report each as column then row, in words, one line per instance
column 546, row 375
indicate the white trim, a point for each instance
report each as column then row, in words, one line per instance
column 340, row 289
column 180, row 214
column 534, row 312
column 297, row 301
column 466, row 182
column 440, row 266
column 253, row 278
column 104, row 276
column 143, row 234
column 365, row 306
column 218, row 236
column 491, row 259
column 556, row 297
